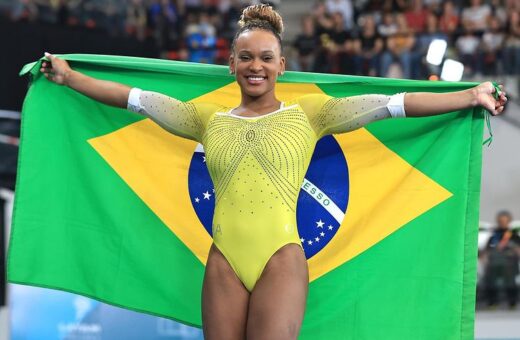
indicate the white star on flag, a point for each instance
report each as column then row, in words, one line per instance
column 317, row 239
column 203, row 159
column 330, row 227
column 302, row 239
column 309, row 242
column 320, row 223
column 197, row 199
column 322, row 234
column 207, row 195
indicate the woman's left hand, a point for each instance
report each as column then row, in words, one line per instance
column 485, row 96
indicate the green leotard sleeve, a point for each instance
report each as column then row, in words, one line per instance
column 329, row 115
column 184, row 119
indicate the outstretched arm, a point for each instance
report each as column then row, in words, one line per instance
column 184, row 119
column 420, row 104
column 329, row 115
column 107, row 92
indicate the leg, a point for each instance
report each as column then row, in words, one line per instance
column 224, row 300
column 277, row 303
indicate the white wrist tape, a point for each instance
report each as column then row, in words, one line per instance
column 396, row 105
column 134, row 102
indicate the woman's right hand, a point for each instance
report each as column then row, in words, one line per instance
column 56, row 69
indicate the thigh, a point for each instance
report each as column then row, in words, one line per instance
column 277, row 303
column 224, row 300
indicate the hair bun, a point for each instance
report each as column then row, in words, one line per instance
column 261, row 13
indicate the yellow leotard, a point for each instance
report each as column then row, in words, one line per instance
column 258, row 164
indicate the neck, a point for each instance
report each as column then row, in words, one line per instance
column 260, row 103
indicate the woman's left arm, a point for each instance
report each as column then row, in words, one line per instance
column 421, row 104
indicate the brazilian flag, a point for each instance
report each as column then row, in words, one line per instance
column 110, row 206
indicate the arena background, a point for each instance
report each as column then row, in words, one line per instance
column 431, row 39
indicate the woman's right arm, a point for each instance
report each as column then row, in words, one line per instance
column 107, row 92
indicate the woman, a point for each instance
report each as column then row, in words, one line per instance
column 256, row 278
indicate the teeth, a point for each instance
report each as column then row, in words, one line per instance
column 256, row 78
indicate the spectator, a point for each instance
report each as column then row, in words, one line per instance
column 475, row 17
column 501, row 256
column 345, row 8
column 467, row 48
column 24, row 10
column 512, row 44
column 344, row 49
column 388, row 27
column 399, row 48
column 371, row 47
column 491, row 51
column 423, row 44
column 416, row 16
column 164, row 20
column 201, row 40
column 323, row 26
column 306, row 44
column 136, row 19
column 449, row 20
column 395, row 5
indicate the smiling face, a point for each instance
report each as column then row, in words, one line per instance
column 256, row 62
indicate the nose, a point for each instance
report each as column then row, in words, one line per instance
column 256, row 65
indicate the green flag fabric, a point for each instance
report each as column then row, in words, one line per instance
column 111, row 206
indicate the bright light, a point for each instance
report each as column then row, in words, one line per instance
column 436, row 51
column 452, row 70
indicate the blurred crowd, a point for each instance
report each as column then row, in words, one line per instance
column 500, row 263
column 362, row 37
column 371, row 37
column 190, row 30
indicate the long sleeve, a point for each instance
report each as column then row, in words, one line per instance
column 184, row 119
column 329, row 115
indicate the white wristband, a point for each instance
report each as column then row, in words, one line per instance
column 134, row 102
column 396, row 105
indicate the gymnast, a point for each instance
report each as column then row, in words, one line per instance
column 256, row 278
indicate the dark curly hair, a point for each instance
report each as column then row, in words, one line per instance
column 262, row 17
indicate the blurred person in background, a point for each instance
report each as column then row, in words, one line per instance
column 416, row 16
column 491, row 48
column 424, row 40
column 201, row 39
column 323, row 26
column 165, row 22
column 512, row 44
column 136, row 19
column 449, row 20
column 371, row 47
column 394, row 5
column 388, row 26
column 502, row 256
column 345, row 8
column 24, row 10
column 399, row 48
column 476, row 16
column 344, row 49
column 467, row 49
column 305, row 44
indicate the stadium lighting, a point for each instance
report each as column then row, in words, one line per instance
column 452, row 70
column 436, row 51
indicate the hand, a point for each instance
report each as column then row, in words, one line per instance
column 484, row 94
column 56, row 69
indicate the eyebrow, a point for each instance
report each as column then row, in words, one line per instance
column 264, row 51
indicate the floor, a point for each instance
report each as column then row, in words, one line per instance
column 497, row 324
